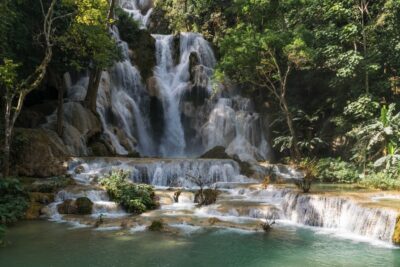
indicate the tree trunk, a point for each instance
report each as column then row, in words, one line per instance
column 93, row 87
column 294, row 150
column 7, row 138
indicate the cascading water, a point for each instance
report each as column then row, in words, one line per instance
column 119, row 100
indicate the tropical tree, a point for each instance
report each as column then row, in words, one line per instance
column 263, row 49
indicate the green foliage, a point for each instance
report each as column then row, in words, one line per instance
column 8, row 74
column 376, row 136
column 336, row 170
column 13, row 203
column 380, row 180
column 86, row 41
column 135, row 198
column 13, row 200
column 127, row 26
column 2, row 233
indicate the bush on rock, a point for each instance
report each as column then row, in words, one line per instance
column 134, row 198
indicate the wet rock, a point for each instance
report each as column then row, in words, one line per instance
column 42, row 198
column 213, row 220
column 84, row 205
column 79, row 169
column 80, row 206
column 99, row 149
column 67, row 207
column 217, row 152
column 34, row 211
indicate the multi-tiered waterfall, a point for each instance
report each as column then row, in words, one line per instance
column 196, row 114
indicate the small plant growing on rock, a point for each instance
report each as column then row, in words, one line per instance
column 204, row 196
column 156, row 226
column 310, row 170
column 134, row 198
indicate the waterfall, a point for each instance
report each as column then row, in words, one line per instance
column 158, row 172
column 140, row 10
column 340, row 213
column 121, row 94
column 173, row 81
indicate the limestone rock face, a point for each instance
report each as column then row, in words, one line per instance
column 38, row 153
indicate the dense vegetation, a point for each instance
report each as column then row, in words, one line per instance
column 134, row 198
column 13, row 203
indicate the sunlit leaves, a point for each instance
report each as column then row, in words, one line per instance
column 8, row 74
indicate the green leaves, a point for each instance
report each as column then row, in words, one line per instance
column 8, row 74
column 135, row 198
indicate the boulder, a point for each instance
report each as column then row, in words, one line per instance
column 67, row 207
column 217, row 152
column 80, row 206
column 84, row 206
column 34, row 211
column 38, row 153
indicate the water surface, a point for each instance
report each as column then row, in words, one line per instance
column 42, row 244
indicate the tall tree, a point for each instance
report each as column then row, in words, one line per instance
column 263, row 49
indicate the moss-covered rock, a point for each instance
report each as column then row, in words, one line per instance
column 217, row 152
column 42, row 198
column 84, row 206
column 34, row 211
column 156, row 225
column 38, row 153
column 396, row 233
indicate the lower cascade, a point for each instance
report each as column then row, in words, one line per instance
column 242, row 203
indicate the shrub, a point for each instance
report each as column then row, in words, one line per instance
column 336, row 170
column 13, row 203
column 134, row 198
column 380, row 180
column 310, row 171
